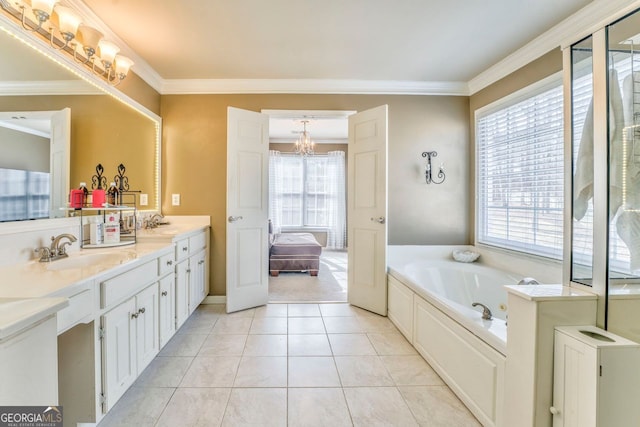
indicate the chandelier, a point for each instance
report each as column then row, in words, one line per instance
column 65, row 31
column 304, row 144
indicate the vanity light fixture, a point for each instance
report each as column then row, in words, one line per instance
column 66, row 32
column 41, row 9
column 304, row 144
column 67, row 23
column 429, row 169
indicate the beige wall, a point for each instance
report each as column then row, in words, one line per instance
column 104, row 131
column 137, row 89
column 23, row 151
column 194, row 161
column 533, row 72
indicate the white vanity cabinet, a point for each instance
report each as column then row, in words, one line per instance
column 191, row 274
column 130, row 327
column 167, row 288
column 596, row 378
column 130, row 342
column 197, row 277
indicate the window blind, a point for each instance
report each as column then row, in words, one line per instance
column 520, row 177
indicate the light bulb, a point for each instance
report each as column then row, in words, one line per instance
column 123, row 64
column 107, row 52
column 67, row 21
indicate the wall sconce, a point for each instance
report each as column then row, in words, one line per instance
column 65, row 32
column 428, row 169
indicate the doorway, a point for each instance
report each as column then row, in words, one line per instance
column 247, row 242
column 306, row 189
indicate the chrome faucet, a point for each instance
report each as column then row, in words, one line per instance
column 486, row 313
column 153, row 221
column 57, row 249
column 528, row 281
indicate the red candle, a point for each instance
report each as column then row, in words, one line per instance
column 98, row 198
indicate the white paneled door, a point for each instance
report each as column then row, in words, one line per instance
column 59, row 161
column 367, row 210
column 247, row 209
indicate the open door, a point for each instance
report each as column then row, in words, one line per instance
column 247, row 209
column 59, row 162
column 367, row 210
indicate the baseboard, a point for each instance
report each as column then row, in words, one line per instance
column 215, row 299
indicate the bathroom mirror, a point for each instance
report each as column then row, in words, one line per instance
column 582, row 161
column 104, row 129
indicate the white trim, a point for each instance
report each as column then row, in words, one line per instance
column 520, row 95
column 215, row 299
column 17, row 227
column 314, row 114
column 312, row 86
column 577, row 26
column 52, row 87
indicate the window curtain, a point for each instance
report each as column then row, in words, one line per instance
column 336, row 202
column 276, row 173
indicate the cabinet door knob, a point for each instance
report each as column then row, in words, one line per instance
column 142, row 310
column 185, row 249
column 134, row 315
column 169, row 263
column 201, row 262
column 188, row 270
column 554, row 410
column 164, row 293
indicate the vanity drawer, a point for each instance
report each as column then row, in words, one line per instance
column 166, row 263
column 80, row 307
column 197, row 242
column 182, row 249
column 128, row 283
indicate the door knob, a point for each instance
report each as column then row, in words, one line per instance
column 381, row 219
column 234, row 218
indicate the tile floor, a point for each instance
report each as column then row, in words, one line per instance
column 288, row 364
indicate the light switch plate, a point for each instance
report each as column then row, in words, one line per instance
column 144, row 199
column 175, row 199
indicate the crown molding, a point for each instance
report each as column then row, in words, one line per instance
column 51, row 87
column 312, row 86
column 574, row 28
column 140, row 66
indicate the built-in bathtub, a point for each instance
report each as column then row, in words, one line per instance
column 430, row 301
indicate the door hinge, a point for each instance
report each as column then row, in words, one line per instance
column 100, row 333
column 103, row 403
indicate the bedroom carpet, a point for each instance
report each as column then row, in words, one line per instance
column 329, row 286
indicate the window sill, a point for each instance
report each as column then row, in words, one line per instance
column 304, row 229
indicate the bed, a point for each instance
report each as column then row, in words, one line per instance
column 294, row 252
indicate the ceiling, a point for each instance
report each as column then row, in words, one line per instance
column 354, row 40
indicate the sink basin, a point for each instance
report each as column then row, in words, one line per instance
column 88, row 260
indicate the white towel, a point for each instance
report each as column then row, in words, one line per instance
column 583, row 178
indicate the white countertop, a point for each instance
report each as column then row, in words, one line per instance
column 176, row 227
column 17, row 314
column 34, row 279
column 33, row 290
column 548, row 292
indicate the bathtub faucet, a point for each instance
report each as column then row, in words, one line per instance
column 486, row 313
column 528, row 281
